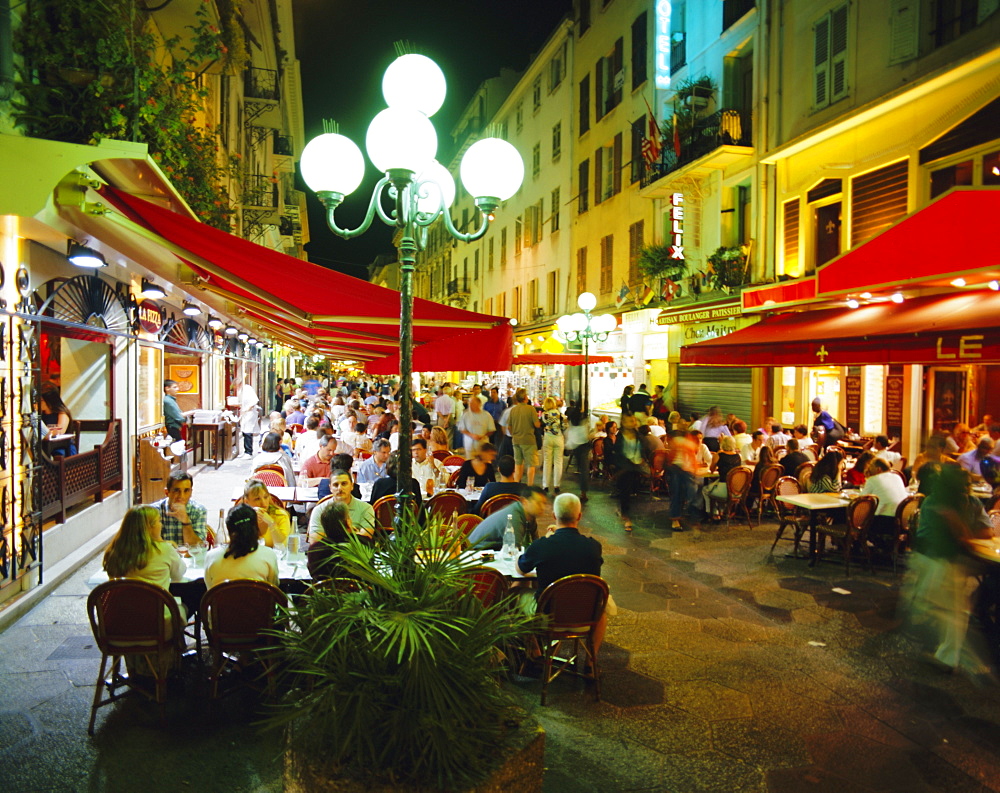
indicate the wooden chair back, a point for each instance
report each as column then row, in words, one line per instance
column 804, row 474
column 453, row 479
column 441, row 455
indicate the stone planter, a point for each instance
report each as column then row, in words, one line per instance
column 521, row 768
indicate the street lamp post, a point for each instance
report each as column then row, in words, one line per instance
column 402, row 143
column 584, row 326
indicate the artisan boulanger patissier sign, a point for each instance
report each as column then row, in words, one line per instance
column 706, row 314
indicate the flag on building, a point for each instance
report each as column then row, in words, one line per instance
column 647, row 295
column 670, row 290
column 652, row 145
column 623, row 294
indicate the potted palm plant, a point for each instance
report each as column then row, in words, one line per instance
column 396, row 686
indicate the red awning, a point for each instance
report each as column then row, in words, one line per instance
column 956, row 234
column 959, row 328
column 567, row 359
column 311, row 307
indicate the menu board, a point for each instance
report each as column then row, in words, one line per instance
column 852, row 417
column 894, row 403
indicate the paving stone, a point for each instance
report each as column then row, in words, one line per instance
column 667, row 730
column 708, row 699
column 863, row 761
column 711, row 772
column 667, row 665
column 627, row 688
column 810, row 778
column 770, row 746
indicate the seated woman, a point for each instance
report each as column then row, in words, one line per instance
column 766, row 458
column 728, row 459
column 480, row 467
column 245, row 557
column 888, row 487
column 438, row 441
column 856, row 476
column 273, row 522
column 826, row 474
column 138, row 551
column 386, row 485
column 271, row 454
column 55, row 416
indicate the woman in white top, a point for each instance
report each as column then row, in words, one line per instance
column 139, row 551
column 246, row 557
column 272, row 454
column 888, row 487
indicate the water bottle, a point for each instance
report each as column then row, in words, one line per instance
column 508, row 538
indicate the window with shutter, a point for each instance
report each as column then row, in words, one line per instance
column 585, row 104
column 635, row 242
column 878, row 199
column 607, row 264
column 556, row 141
column 838, row 53
column 583, row 185
column 598, row 173
column 517, row 235
column 830, row 57
column 821, row 62
column 555, row 209
column 503, row 246
column 904, row 22
column 616, row 186
column 791, row 238
column 617, row 75
column 489, row 252
column 536, row 160
column 581, row 270
column 638, row 134
column 553, row 292
column 639, row 50
column 599, row 109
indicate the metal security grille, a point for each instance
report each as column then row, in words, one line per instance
column 700, row 387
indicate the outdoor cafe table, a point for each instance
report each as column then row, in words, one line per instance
column 288, row 495
column 816, row 503
column 294, row 568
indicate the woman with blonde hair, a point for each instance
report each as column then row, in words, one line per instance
column 554, row 424
column 438, row 441
column 273, row 522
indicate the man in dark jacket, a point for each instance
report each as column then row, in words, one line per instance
column 791, row 461
column 640, row 401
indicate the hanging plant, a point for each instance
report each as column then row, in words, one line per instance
column 85, row 76
column 730, row 266
column 655, row 262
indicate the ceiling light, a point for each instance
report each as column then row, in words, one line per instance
column 231, row 331
column 251, row 340
column 994, row 285
column 214, row 322
column 852, row 303
column 82, row 256
column 243, row 336
column 260, row 344
column 151, row 290
column 958, row 282
column 191, row 309
column 897, row 297
column 866, row 295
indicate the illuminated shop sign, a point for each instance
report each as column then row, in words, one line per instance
column 150, row 316
column 677, row 226
column 662, row 44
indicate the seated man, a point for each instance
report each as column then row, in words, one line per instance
column 564, row 551
column 387, row 485
column 800, row 434
column 316, row 468
column 778, row 437
column 425, row 466
column 751, row 451
column 973, row 461
column 791, row 461
column 881, row 449
column 489, row 533
column 375, row 467
column 505, row 483
column 338, row 462
column 361, row 513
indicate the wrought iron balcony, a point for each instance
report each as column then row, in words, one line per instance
column 260, row 190
column 458, row 286
column 723, row 128
column 260, row 84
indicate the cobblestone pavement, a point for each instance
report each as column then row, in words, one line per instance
column 725, row 670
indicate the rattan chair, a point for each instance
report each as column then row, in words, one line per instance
column 498, row 502
column 453, row 459
column 738, row 488
column 135, row 620
column 907, row 511
column 488, row 585
column 787, row 514
column 385, row 512
column 440, row 455
column 768, row 481
column 237, row 616
column 269, row 478
column 453, row 478
column 860, row 512
column 445, row 505
column 573, row 605
column 468, row 522
column 804, row 474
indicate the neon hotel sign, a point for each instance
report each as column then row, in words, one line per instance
column 662, row 44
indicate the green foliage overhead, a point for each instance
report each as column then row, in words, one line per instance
column 399, row 681
column 94, row 69
column 730, row 266
column 655, row 262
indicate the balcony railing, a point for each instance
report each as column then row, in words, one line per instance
column 734, row 10
column 260, row 83
column 260, row 190
column 283, row 145
column 458, row 286
column 723, row 128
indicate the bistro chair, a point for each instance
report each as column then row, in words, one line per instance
column 901, row 475
column 269, row 478
column 468, row 522
column 385, row 512
column 657, row 480
column 768, row 481
column 860, row 512
column 453, row 459
column 597, row 467
column 498, row 502
column 574, row 606
column 445, row 505
column 271, row 467
column 295, row 429
column 787, row 514
column 738, row 489
column 441, row 455
column 453, row 479
column 237, row 616
column 804, row 474
column 488, row 585
column 136, row 621
column 906, row 520
column 995, row 521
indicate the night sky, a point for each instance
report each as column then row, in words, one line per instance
column 344, row 48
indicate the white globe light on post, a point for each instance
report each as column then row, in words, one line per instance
column 492, row 168
column 436, row 189
column 401, row 139
column 332, row 163
column 414, row 82
column 587, row 301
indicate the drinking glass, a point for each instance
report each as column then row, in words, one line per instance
column 470, row 483
column 279, row 551
column 198, row 555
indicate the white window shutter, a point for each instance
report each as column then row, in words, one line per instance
column 903, row 25
column 821, row 62
column 838, row 53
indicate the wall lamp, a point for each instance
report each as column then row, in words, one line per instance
column 231, row 331
column 82, row 256
column 191, row 309
column 151, row 290
column 214, row 323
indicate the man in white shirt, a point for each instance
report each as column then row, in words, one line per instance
column 425, row 466
column 476, row 426
column 702, row 454
column 881, row 449
column 801, row 434
column 778, row 438
column 972, row 461
column 888, row 487
column 444, row 406
column 751, row 451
